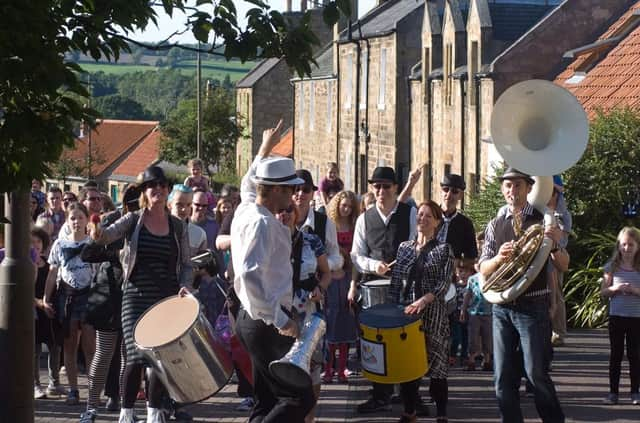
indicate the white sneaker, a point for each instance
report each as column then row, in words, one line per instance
column 155, row 415
column 39, row 393
column 126, row 416
column 56, row 390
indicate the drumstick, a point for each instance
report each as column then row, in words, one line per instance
column 392, row 263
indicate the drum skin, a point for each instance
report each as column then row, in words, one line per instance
column 178, row 342
column 393, row 345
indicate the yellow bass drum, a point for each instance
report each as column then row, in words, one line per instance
column 393, row 345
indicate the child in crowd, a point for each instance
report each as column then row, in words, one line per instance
column 459, row 333
column 223, row 209
column 197, row 179
column 47, row 330
column 368, row 200
column 476, row 310
column 330, row 183
column 621, row 284
column 341, row 320
column 70, row 303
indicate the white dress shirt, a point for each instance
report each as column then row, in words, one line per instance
column 261, row 258
column 330, row 242
column 359, row 249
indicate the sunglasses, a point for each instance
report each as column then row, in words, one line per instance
column 381, row 186
column 200, row 206
column 453, row 190
column 304, row 188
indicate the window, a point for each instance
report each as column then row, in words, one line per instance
column 382, row 80
column 473, row 70
column 312, row 106
column 329, row 124
column 364, row 77
column 426, row 61
column 114, row 192
column 348, row 82
column 301, row 105
column 448, row 70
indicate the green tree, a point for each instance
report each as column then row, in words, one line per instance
column 37, row 114
column 484, row 205
column 118, row 107
column 607, row 176
column 219, row 131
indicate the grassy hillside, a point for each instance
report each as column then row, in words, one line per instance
column 211, row 69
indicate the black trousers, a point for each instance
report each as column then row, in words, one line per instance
column 112, row 387
column 621, row 328
column 382, row 392
column 275, row 403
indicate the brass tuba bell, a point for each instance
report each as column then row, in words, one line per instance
column 540, row 129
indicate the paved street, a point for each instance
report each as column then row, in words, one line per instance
column 580, row 371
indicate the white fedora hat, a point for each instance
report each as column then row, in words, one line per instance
column 276, row 171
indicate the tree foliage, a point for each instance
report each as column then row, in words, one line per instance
column 37, row 113
column 118, row 107
column 219, row 131
column 484, row 205
column 607, row 176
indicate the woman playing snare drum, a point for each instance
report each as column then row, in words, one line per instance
column 156, row 265
column 420, row 278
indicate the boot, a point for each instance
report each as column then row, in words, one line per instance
column 126, row 416
column 155, row 415
column 343, row 351
column 328, row 366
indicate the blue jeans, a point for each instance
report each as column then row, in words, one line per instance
column 525, row 324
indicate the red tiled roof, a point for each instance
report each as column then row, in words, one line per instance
column 143, row 156
column 285, row 145
column 614, row 81
column 109, row 141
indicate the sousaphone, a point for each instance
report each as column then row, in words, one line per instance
column 541, row 129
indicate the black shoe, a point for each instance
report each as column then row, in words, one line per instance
column 396, row 399
column 113, row 404
column 373, row 405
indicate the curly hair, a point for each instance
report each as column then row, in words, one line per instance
column 333, row 210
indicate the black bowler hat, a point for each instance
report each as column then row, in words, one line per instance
column 454, row 181
column 305, row 175
column 152, row 174
column 512, row 173
column 4, row 220
column 383, row 174
column 131, row 195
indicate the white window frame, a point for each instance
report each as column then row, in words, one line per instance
column 382, row 79
column 312, row 106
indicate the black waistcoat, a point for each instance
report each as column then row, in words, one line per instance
column 383, row 241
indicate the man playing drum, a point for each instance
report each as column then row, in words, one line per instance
column 523, row 323
column 261, row 262
column 378, row 233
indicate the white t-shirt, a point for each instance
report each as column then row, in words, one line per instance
column 65, row 254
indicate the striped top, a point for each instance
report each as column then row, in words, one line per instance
column 624, row 305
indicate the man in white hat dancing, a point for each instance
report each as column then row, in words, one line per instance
column 262, row 265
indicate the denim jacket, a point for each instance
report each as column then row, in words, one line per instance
column 128, row 227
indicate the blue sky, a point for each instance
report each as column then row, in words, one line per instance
column 167, row 26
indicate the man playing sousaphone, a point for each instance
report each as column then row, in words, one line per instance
column 523, row 323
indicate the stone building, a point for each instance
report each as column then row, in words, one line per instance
column 264, row 95
column 472, row 52
column 354, row 107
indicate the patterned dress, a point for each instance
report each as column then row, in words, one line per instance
column 431, row 274
column 151, row 281
column 341, row 322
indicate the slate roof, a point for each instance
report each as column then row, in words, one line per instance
column 325, row 63
column 255, row 74
column 383, row 18
column 110, row 140
column 511, row 20
column 614, row 80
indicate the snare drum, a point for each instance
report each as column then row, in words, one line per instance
column 393, row 345
column 374, row 292
column 178, row 342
